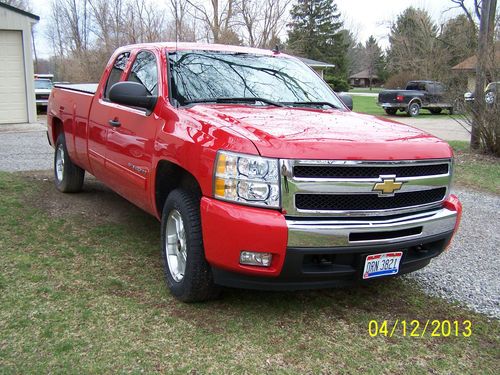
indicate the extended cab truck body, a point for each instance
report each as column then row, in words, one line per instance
column 417, row 95
column 260, row 175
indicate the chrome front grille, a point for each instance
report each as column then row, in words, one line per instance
column 346, row 188
column 321, row 171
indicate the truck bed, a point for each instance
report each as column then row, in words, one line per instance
column 88, row 88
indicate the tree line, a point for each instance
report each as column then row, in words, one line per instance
column 84, row 33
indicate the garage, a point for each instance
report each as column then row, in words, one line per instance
column 16, row 66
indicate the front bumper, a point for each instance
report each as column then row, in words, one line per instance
column 42, row 102
column 315, row 268
column 317, row 253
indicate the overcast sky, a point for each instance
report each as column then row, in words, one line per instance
column 363, row 17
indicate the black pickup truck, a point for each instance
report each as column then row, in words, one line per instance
column 417, row 95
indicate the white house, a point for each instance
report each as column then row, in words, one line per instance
column 17, row 93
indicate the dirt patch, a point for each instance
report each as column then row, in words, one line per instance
column 95, row 203
column 462, row 157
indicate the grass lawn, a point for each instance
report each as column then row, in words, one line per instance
column 368, row 105
column 82, row 291
column 374, row 90
column 481, row 172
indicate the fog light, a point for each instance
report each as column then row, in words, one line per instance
column 256, row 259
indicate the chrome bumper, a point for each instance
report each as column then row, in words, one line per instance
column 392, row 105
column 339, row 232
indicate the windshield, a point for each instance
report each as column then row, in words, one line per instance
column 205, row 75
column 43, row 84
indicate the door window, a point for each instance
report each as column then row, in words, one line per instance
column 145, row 72
column 116, row 72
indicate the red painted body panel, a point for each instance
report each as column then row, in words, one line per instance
column 454, row 204
column 229, row 229
column 324, row 134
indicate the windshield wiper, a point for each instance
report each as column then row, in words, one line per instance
column 312, row 104
column 235, row 100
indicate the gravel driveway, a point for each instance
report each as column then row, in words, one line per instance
column 441, row 126
column 467, row 273
column 24, row 147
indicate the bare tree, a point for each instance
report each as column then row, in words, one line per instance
column 485, row 64
column 262, row 21
column 473, row 15
column 184, row 25
column 219, row 18
column 84, row 33
column 21, row 4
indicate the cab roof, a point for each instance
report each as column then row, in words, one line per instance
column 173, row 46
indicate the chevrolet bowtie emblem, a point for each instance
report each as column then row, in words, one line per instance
column 388, row 186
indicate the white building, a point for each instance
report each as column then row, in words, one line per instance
column 17, row 93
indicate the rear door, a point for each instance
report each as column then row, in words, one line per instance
column 129, row 147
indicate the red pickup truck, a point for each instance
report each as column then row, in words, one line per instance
column 260, row 174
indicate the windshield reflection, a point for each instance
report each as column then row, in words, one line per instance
column 204, row 75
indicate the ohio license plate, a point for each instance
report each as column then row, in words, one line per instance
column 383, row 264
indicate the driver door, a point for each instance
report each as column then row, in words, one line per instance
column 130, row 142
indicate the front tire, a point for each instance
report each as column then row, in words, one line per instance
column 187, row 273
column 413, row 109
column 68, row 177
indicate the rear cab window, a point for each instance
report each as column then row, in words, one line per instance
column 419, row 86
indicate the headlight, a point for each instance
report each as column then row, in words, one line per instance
column 247, row 179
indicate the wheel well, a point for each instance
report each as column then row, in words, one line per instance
column 57, row 128
column 415, row 100
column 170, row 176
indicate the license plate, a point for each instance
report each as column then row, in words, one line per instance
column 383, row 264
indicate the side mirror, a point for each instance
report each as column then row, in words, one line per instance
column 133, row 94
column 347, row 100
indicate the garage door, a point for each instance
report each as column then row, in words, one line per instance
column 13, row 106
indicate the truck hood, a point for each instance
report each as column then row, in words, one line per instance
column 292, row 133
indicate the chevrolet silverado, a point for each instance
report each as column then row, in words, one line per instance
column 260, row 175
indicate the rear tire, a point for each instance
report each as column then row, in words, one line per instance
column 413, row 109
column 187, row 273
column 435, row 111
column 68, row 177
column 391, row 111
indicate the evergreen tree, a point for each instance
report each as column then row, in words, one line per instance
column 374, row 59
column 414, row 46
column 459, row 39
column 315, row 33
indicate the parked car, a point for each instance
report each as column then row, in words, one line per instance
column 417, row 95
column 490, row 93
column 260, row 175
column 43, row 87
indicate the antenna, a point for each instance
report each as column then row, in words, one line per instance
column 176, row 25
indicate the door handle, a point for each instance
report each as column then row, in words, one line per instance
column 115, row 123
